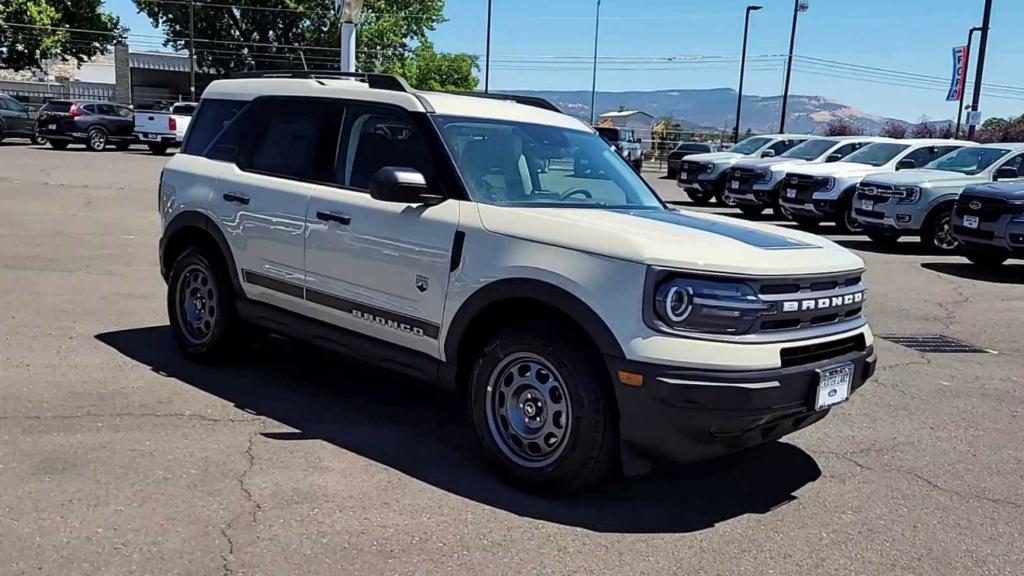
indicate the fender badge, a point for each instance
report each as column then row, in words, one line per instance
column 422, row 283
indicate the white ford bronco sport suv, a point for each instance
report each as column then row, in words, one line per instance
column 449, row 237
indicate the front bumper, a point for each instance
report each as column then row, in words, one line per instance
column 1003, row 233
column 685, row 415
column 749, row 193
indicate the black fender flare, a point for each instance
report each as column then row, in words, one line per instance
column 197, row 220
column 529, row 289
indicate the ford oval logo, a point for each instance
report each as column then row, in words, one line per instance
column 975, row 205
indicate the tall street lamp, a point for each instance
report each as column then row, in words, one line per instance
column 967, row 66
column 593, row 84
column 982, row 48
column 798, row 7
column 743, row 66
column 348, row 11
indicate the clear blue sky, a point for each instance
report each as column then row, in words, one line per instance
column 533, row 42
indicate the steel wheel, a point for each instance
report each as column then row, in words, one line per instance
column 942, row 235
column 196, row 298
column 528, row 410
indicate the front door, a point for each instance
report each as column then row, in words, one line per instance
column 380, row 268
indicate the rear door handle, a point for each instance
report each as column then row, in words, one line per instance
column 343, row 219
column 237, row 198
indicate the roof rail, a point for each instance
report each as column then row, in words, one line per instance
column 524, row 100
column 376, row 81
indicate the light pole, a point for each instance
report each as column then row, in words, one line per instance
column 798, row 7
column 743, row 66
column 487, row 57
column 192, row 49
column 967, row 66
column 593, row 84
column 981, row 65
column 348, row 11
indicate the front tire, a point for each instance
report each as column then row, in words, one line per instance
column 883, row 238
column 700, row 197
column 724, row 199
column 96, row 140
column 937, row 233
column 987, row 260
column 541, row 410
column 58, row 144
column 751, row 210
column 846, row 222
column 200, row 306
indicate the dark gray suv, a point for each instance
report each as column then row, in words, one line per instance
column 16, row 121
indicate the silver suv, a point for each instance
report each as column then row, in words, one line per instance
column 920, row 202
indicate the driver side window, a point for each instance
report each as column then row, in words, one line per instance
column 377, row 137
column 1017, row 163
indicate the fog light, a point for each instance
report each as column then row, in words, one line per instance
column 903, row 218
column 631, row 378
column 1017, row 238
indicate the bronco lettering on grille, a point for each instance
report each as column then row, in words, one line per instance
column 822, row 303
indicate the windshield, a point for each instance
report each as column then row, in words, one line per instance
column 750, row 145
column 609, row 134
column 968, row 161
column 810, row 150
column 519, row 164
column 688, row 147
column 876, row 154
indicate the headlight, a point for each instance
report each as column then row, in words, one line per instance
column 829, row 184
column 907, row 194
column 764, row 176
column 708, row 306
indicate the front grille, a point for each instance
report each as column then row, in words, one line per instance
column 746, row 175
column 695, row 167
column 805, row 186
column 973, row 232
column 811, row 353
column 817, row 301
column 986, row 208
column 873, row 214
column 877, row 193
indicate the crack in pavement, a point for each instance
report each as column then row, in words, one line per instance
column 845, row 456
column 199, row 417
column 250, row 500
column 949, row 307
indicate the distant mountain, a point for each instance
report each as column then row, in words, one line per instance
column 715, row 108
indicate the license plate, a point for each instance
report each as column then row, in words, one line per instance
column 790, row 192
column 734, row 184
column 971, row 221
column 833, row 386
column 867, row 204
column 51, row 125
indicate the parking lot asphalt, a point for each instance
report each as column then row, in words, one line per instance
column 119, row 457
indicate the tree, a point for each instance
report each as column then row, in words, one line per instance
column 923, row 129
column 893, row 129
column 945, row 131
column 33, row 31
column 842, row 127
column 276, row 34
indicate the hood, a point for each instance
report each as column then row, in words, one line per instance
column 840, row 169
column 924, row 177
column 713, row 157
column 675, row 239
column 755, row 163
column 1008, row 190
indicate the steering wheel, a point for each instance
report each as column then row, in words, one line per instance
column 576, row 191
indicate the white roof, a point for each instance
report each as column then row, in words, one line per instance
column 441, row 103
column 622, row 113
column 935, row 142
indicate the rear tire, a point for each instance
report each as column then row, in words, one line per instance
column 700, row 197
column 201, row 307
column 540, row 404
column 937, row 232
column 96, row 140
column 988, row 260
column 158, row 149
column 58, row 144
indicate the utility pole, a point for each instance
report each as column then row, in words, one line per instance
column 967, row 66
column 348, row 12
column 192, row 49
column 743, row 66
column 986, row 20
column 593, row 84
column 798, row 7
column 487, row 57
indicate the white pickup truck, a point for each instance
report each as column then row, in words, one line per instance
column 162, row 130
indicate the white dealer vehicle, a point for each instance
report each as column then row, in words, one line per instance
column 702, row 176
column 583, row 323
column 824, row 192
column 162, row 130
column 755, row 183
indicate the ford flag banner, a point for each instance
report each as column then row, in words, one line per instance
column 956, row 86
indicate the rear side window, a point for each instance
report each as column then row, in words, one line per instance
column 925, row 155
column 211, row 118
column 783, row 146
column 56, row 107
column 296, row 139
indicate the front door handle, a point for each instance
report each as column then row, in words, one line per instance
column 237, row 198
column 343, row 219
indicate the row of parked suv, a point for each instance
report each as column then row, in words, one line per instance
column 94, row 124
column 953, row 194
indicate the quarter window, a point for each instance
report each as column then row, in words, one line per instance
column 294, row 138
column 378, row 137
column 212, row 117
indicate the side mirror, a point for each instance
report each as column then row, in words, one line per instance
column 1006, row 173
column 768, row 154
column 906, row 164
column 402, row 185
column 834, row 158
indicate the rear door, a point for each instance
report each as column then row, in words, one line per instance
column 118, row 120
column 381, row 268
